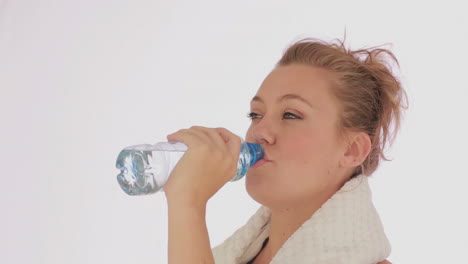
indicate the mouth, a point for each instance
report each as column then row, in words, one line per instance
column 265, row 157
column 260, row 163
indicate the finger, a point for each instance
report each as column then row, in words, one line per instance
column 228, row 135
column 214, row 136
column 186, row 136
column 232, row 140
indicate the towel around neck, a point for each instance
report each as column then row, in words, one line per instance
column 345, row 229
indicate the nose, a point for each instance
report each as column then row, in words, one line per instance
column 263, row 132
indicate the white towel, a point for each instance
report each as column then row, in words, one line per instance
column 346, row 229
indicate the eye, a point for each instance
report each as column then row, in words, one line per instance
column 289, row 115
column 252, row 115
column 286, row 115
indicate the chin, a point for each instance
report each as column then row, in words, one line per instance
column 255, row 180
column 261, row 189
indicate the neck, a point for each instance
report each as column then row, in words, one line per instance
column 284, row 222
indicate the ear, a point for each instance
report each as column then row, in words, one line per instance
column 359, row 146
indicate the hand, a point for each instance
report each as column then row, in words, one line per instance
column 209, row 162
column 385, row 262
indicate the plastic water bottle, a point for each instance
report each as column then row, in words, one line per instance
column 145, row 168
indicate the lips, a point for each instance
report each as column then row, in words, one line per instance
column 261, row 162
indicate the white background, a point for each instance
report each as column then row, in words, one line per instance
column 80, row 80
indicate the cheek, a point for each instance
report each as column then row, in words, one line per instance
column 301, row 145
column 311, row 149
column 307, row 159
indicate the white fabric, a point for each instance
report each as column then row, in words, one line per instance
column 346, row 229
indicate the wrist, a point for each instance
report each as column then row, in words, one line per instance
column 186, row 203
column 186, row 212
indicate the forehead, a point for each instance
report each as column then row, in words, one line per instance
column 311, row 83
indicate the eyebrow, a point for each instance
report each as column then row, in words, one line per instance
column 282, row 98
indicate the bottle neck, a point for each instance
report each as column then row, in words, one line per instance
column 256, row 152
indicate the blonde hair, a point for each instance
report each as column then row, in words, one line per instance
column 370, row 95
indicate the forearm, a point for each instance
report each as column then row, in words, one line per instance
column 188, row 235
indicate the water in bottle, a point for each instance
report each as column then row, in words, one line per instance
column 145, row 168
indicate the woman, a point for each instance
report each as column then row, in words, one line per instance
column 323, row 117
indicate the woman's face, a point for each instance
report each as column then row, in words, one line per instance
column 294, row 117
